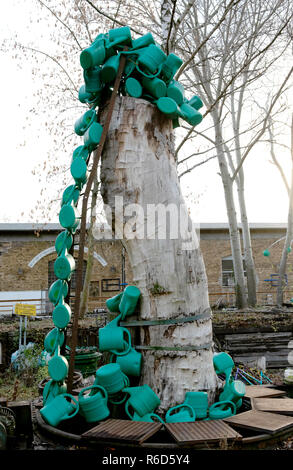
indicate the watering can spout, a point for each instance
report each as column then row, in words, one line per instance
column 131, row 390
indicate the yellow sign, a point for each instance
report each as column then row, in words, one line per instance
column 25, row 309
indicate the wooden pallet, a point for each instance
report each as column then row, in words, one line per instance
column 202, row 431
column 122, row 430
column 259, row 391
column 273, row 405
column 260, row 421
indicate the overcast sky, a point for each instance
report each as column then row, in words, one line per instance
column 24, row 138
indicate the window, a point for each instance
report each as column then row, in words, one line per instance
column 52, row 277
column 111, row 285
column 228, row 271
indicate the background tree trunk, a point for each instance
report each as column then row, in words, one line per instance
column 138, row 164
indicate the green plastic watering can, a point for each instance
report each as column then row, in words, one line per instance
column 70, row 194
column 221, row 410
column 92, row 79
column 190, row 114
column 170, row 67
column 61, row 315
column 111, row 377
column 129, row 301
column 79, row 171
column 233, row 391
column 110, row 69
column 63, row 242
column 175, row 91
column 149, row 418
column 133, row 87
column 84, row 96
column 113, row 340
column 155, row 86
column 113, row 303
column 199, row 402
column 54, row 339
column 80, row 152
column 142, row 400
column 186, row 415
column 58, row 290
column 93, row 55
column 150, row 60
column 93, row 136
column 64, row 266
column 84, row 121
column 120, row 37
column 169, row 107
column 143, row 41
column 93, row 407
column 58, row 366
column 195, row 102
column 223, row 364
column 52, row 389
column 59, row 409
column 69, row 217
column 130, row 363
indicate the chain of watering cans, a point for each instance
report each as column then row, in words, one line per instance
column 148, row 74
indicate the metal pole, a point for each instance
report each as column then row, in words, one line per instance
column 83, row 223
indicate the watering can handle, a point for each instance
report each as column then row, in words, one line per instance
column 75, row 401
column 221, row 403
column 183, row 405
column 149, row 76
column 127, row 410
column 126, row 351
column 157, row 417
column 94, row 386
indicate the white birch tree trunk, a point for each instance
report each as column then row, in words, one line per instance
column 138, row 164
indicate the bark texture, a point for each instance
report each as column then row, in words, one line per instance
column 138, row 164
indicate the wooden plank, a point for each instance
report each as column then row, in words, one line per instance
column 123, row 430
column 202, row 431
column 259, row 391
column 273, row 405
column 260, row 421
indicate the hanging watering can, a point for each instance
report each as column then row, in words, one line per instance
column 120, row 37
column 150, row 60
column 143, row 41
column 93, row 55
column 79, row 171
column 129, row 301
column 59, row 409
column 53, row 339
column 169, row 107
column 63, row 242
column 52, row 389
column 84, row 121
column 93, row 407
column 155, row 86
column 110, row 69
column 142, row 400
column 58, row 290
column 130, row 363
column 61, row 315
column 70, row 194
column 233, row 391
column 113, row 340
column 58, row 366
column 92, row 79
column 82, row 152
column 84, row 96
column 170, row 67
column 195, row 102
column 69, row 217
column 190, row 114
column 176, row 91
column 133, row 87
column 186, row 415
column 113, row 303
column 64, row 266
column 111, row 377
column 93, row 136
column 199, row 402
column 220, row 410
column 149, row 418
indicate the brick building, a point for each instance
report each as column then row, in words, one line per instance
column 27, row 257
